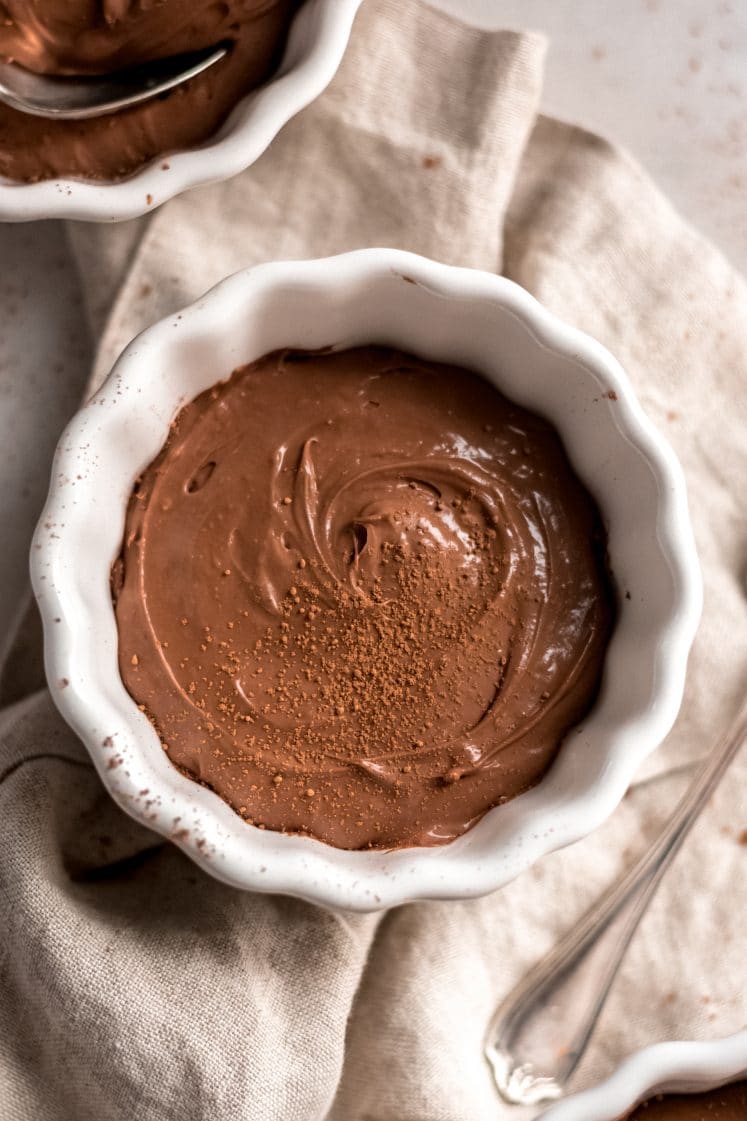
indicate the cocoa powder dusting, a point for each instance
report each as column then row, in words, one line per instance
column 378, row 612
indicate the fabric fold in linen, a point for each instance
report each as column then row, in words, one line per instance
column 131, row 984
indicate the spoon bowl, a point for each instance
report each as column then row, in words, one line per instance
column 78, row 98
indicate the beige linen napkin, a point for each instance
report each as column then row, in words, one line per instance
column 131, row 985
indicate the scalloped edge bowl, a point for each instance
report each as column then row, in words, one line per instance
column 315, row 48
column 661, row 1068
column 462, row 316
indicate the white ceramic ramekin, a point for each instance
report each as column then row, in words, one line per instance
column 457, row 315
column 314, row 51
column 663, row 1068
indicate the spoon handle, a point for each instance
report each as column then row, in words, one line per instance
column 540, row 1032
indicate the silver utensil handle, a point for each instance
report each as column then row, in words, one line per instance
column 540, row 1032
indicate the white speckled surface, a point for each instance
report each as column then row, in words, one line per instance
column 666, row 78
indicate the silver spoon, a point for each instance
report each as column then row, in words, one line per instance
column 63, row 98
column 538, row 1035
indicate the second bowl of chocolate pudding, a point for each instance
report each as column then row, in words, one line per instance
column 281, row 55
column 367, row 580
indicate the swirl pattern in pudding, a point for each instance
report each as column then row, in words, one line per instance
column 362, row 596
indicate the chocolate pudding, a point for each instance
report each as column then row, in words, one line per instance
column 101, row 36
column 362, row 596
column 727, row 1103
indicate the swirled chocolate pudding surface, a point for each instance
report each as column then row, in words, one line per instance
column 102, row 36
column 727, row 1103
column 362, row 596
